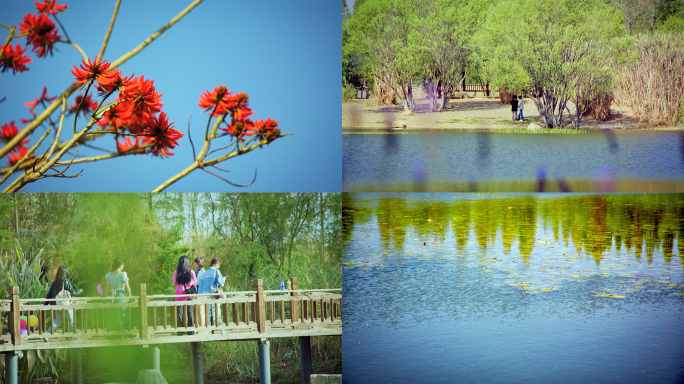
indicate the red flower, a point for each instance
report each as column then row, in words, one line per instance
column 41, row 32
column 50, row 6
column 219, row 98
column 127, row 144
column 26, row 121
column 87, row 106
column 111, row 81
column 162, row 136
column 8, row 131
column 118, row 116
column 267, row 129
column 90, row 71
column 42, row 98
column 16, row 154
column 141, row 96
column 13, row 58
column 240, row 128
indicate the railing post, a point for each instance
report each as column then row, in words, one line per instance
column 143, row 312
column 15, row 313
column 260, row 315
column 294, row 303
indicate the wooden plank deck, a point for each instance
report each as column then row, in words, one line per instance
column 153, row 319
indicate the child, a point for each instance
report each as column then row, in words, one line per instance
column 117, row 281
column 61, row 283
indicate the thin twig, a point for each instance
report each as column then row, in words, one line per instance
column 233, row 184
column 190, row 138
column 26, row 155
column 111, row 26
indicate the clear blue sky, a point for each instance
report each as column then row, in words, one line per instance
column 285, row 54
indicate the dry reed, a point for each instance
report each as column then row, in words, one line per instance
column 600, row 108
column 384, row 95
column 653, row 84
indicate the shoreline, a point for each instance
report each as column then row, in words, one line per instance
column 475, row 113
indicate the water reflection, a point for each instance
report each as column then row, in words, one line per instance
column 434, row 160
column 446, row 288
column 639, row 223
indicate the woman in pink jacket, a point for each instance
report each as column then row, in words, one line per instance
column 184, row 279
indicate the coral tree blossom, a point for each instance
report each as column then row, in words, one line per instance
column 16, row 154
column 13, row 58
column 141, row 96
column 41, row 32
column 42, row 98
column 50, row 7
column 217, row 102
column 8, row 131
column 267, row 129
column 127, row 144
column 90, row 71
column 87, row 106
column 162, row 136
column 111, row 81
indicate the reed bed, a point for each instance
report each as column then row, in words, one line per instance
column 384, row 93
column 652, row 85
column 600, row 109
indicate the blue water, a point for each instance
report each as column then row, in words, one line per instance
column 422, row 307
column 429, row 160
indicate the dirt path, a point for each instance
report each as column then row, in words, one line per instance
column 472, row 113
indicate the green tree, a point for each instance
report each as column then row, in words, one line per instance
column 379, row 32
column 554, row 48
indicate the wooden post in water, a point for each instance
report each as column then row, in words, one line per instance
column 305, row 356
column 143, row 312
column 14, row 323
column 260, row 313
column 264, row 362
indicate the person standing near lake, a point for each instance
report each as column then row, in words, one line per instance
column 117, row 282
column 61, row 283
column 209, row 283
column 514, row 108
column 184, row 279
column 520, row 108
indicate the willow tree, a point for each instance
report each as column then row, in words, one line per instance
column 379, row 31
column 444, row 32
column 553, row 48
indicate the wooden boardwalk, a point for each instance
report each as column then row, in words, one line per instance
column 246, row 315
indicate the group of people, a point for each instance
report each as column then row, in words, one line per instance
column 517, row 107
column 204, row 281
column 185, row 279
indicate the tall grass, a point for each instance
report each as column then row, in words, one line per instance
column 600, row 108
column 384, row 93
column 555, row 131
column 24, row 270
column 652, row 85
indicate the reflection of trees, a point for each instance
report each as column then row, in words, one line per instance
column 639, row 223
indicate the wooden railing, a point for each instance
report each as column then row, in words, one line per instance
column 153, row 319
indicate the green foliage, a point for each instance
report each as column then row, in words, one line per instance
column 348, row 92
column 554, row 48
column 673, row 24
column 166, row 260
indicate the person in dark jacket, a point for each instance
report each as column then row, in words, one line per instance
column 514, row 108
column 61, row 283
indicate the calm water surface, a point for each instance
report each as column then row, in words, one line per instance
column 444, row 288
column 453, row 161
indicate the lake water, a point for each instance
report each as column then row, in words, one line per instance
column 470, row 161
column 477, row 288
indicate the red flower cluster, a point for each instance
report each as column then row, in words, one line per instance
column 7, row 133
column 13, row 58
column 89, row 71
column 138, row 104
column 50, row 7
column 161, row 135
column 41, row 32
column 222, row 102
